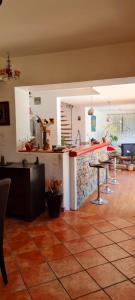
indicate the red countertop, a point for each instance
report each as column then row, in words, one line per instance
column 84, row 149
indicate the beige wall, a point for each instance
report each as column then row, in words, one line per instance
column 113, row 61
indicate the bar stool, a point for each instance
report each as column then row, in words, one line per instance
column 114, row 179
column 98, row 200
column 106, row 189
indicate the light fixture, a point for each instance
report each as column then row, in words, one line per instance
column 91, row 111
column 7, row 73
column 109, row 118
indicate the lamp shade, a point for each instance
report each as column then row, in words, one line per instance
column 91, row 111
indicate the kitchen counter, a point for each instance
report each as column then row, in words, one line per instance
column 86, row 148
column 83, row 178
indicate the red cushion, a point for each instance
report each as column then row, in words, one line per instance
column 110, row 148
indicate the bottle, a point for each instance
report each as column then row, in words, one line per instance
column 36, row 161
column 2, row 160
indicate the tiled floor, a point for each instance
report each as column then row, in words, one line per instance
column 86, row 255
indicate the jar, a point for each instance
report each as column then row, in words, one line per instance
column 130, row 167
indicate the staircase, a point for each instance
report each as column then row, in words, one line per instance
column 66, row 124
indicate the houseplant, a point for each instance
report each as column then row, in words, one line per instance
column 113, row 139
column 54, row 197
column 109, row 134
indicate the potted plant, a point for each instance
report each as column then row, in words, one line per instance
column 54, row 197
column 110, row 130
column 113, row 139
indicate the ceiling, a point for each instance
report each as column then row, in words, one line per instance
column 120, row 96
column 33, row 27
column 115, row 94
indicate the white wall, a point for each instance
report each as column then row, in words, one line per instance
column 49, row 108
column 100, row 125
column 22, row 116
column 79, row 111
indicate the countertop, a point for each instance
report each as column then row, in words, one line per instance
column 84, row 149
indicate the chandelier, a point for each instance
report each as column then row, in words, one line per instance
column 7, row 73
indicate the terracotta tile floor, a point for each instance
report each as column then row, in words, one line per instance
column 86, row 255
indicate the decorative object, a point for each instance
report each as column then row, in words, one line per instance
column 94, row 142
column 7, row 73
column 36, row 161
column 28, row 146
column 4, row 113
column 93, row 123
column 44, row 127
column 24, row 162
column 37, row 100
column 104, row 140
column 2, row 163
column 130, row 167
column 54, row 197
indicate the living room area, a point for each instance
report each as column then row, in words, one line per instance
column 46, row 256
column 67, row 128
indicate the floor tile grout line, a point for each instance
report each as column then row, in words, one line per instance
column 90, row 277
column 102, row 288
column 111, row 262
column 131, row 237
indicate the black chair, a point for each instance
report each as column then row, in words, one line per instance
column 4, row 192
column 98, row 200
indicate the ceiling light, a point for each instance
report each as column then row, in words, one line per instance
column 108, row 119
column 91, row 111
column 7, row 73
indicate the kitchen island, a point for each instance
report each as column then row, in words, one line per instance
column 83, row 178
column 72, row 167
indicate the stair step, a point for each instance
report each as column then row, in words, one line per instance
column 67, row 140
column 65, row 124
column 66, row 133
column 63, row 129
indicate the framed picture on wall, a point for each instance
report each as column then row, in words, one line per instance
column 4, row 113
column 93, row 123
